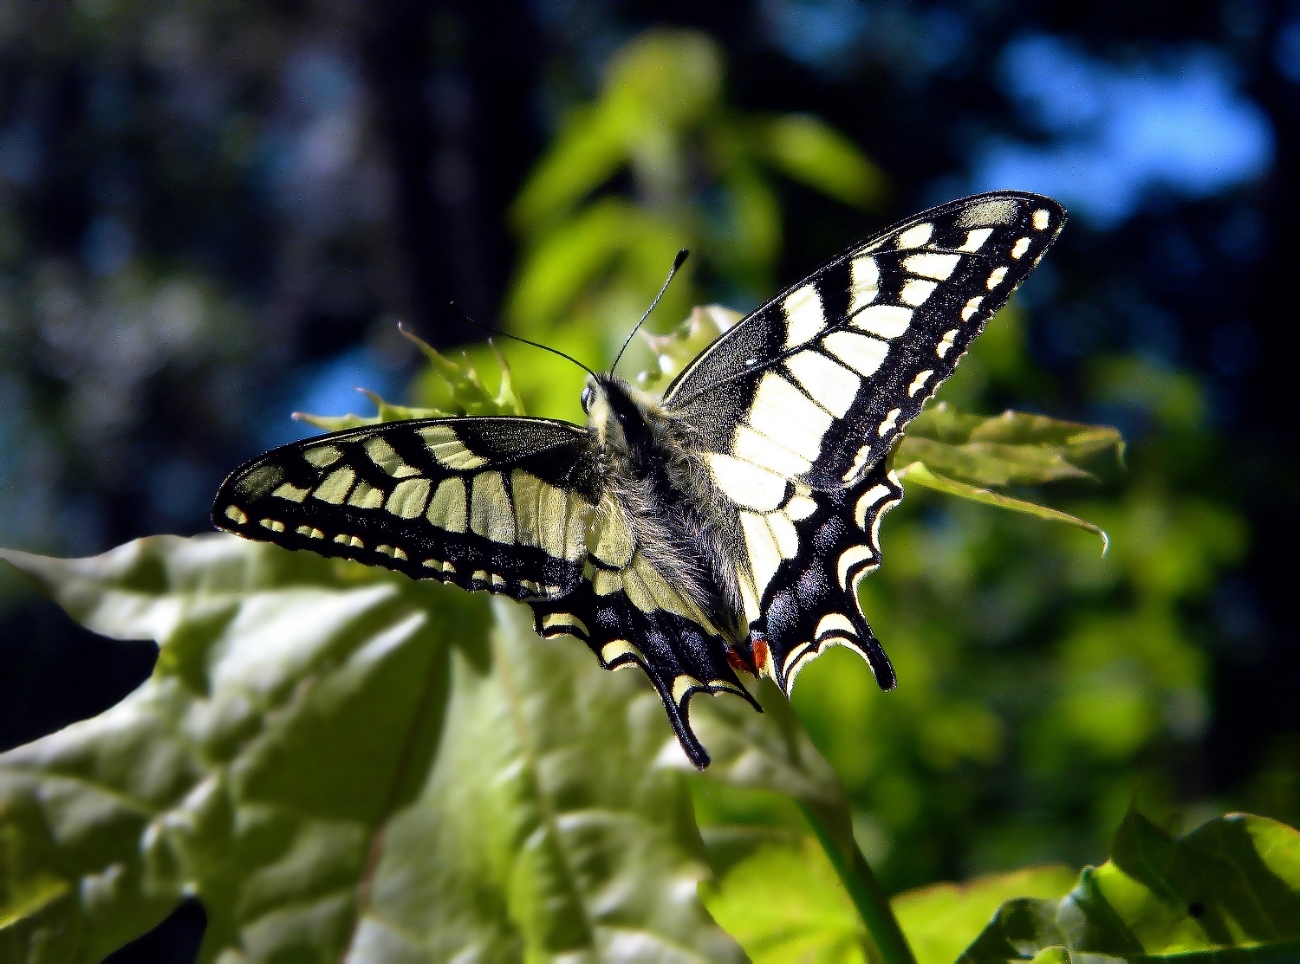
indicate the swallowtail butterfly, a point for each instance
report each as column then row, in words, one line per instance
column 723, row 526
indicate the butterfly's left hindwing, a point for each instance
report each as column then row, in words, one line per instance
column 497, row 504
column 632, row 614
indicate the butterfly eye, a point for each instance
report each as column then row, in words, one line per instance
column 586, row 399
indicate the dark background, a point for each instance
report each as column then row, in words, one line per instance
column 211, row 213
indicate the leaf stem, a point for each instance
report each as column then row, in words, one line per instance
column 868, row 896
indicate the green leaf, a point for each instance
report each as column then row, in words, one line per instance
column 806, row 917
column 565, row 263
column 673, row 75
column 918, row 473
column 942, row 919
column 455, row 388
column 1230, row 889
column 771, row 756
column 589, row 149
column 676, row 349
column 336, row 760
column 808, row 149
column 1014, row 448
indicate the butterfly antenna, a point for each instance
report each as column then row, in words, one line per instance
column 678, row 261
column 506, row 334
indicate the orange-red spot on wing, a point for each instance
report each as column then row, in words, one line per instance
column 761, row 655
column 738, row 662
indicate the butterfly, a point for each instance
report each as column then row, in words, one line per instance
column 724, row 526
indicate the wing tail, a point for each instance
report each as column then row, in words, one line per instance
column 812, row 602
column 680, row 658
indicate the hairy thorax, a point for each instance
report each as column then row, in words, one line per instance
column 648, row 466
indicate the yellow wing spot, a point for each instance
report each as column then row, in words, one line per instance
column 260, row 480
column 237, row 515
column 498, row 580
column 1021, row 246
column 408, row 498
column 804, row 315
column 336, row 486
column 479, row 575
column 275, row 525
column 830, row 624
column 995, row 278
column 399, row 554
column 341, row 539
column 792, row 657
column 762, row 549
column 916, row 236
column 1042, row 218
column 322, row 456
column 975, row 239
column 929, row 265
column 448, row 449
column 682, row 687
column 386, row 457
column 611, row 538
column 890, row 423
column 972, row 306
column 604, row 582
column 564, row 621
column 722, row 684
column 618, row 648
column 850, row 558
column 919, row 381
column 366, row 496
column 356, row 543
column 575, row 528
column 868, row 501
column 311, row 532
column 745, row 483
column 916, row 292
column 447, row 507
column 291, row 492
column 448, row 567
column 490, row 513
column 787, row 537
column 865, row 283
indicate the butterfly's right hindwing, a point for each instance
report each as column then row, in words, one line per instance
column 498, row 504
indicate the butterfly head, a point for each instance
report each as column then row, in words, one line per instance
column 617, row 413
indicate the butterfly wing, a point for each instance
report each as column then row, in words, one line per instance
column 797, row 406
column 810, row 598
column 630, row 613
column 499, row 504
column 816, row 384
column 506, row 505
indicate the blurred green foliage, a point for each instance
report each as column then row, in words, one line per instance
column 1040, row 684
column 1024, row 656
column 1232, row 882
column 701, row 176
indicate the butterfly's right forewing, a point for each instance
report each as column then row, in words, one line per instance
column 817, row 384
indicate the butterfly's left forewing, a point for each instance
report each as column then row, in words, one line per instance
column 497, row 504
